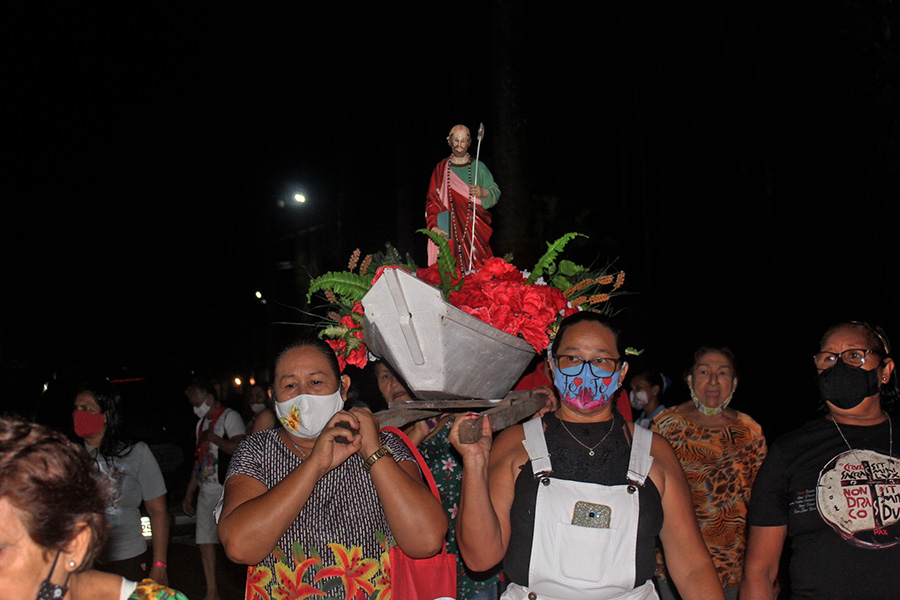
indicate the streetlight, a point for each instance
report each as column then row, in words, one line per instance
column 291, row 198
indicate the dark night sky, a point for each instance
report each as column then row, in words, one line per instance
column 741, row 164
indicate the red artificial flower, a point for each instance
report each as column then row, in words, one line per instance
column 496, row 268
column 497, row 294
column 339, row 347
column 430, row 275
column 350, row 322
column 359, row 357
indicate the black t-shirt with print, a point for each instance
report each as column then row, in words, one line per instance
column 841, row 509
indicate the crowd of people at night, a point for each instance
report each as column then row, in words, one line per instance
column 606, row 492
column 590, row 498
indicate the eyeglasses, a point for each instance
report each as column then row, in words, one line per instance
column 855, row 357
column 606, row 366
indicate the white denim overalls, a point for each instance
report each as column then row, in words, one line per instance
column 574, row 562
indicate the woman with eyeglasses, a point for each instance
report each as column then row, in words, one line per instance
column 572, row 503
column 833, row 486
column 720, row 450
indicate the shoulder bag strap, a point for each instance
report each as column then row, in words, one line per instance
column 426, row 472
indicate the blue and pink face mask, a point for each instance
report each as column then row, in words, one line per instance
column 584, row 387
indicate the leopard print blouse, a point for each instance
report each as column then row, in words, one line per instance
column 720, row 464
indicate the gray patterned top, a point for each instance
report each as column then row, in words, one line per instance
column 344, row 509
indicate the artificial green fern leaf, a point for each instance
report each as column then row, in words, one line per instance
column 568, row 268
column 549, row 257
column 446, row 260
column 333, row 331
column 390, row 255
column 350, row 285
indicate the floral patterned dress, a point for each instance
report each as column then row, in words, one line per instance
column 338, row 546
column 446, row 468
column 720, row 464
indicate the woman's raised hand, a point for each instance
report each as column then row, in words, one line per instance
column 337, row 443
column 479, row 449
column 367, row 424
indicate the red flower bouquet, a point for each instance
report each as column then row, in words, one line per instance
column 496, row 292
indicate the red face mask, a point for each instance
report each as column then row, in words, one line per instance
column 87, row 424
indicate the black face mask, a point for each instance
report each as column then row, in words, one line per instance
column 52, row 591
column 845, row 386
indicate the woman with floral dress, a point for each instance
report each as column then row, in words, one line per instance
column 314, row 506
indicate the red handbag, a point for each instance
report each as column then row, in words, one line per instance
column 422, row 578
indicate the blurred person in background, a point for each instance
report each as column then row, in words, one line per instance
column 260, row 409
column 647, row 389
column 219, row 430
column 134, row 477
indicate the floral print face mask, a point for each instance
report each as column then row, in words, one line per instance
column 306, row 415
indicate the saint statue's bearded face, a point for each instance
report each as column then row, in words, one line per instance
column 459, row 140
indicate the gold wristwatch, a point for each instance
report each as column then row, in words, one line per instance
column 376, row 456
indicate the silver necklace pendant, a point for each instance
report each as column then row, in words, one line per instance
column 890, row 435
column 591, row 453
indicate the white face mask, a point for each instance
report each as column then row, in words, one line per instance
column 306, row 415
column 638, row 399
column 202, row 409
column 257, row 408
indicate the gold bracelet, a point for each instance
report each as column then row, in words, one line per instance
column 376, row 456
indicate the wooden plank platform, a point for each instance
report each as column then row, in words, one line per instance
column 513, row 408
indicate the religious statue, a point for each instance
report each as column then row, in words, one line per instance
column 459, row 196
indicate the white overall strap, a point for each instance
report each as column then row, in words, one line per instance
column 536, row 447
column 644, row 592
column 640, row 461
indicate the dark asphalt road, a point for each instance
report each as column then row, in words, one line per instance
column 186, row 571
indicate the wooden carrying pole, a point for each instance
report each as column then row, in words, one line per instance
column 515, row 407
